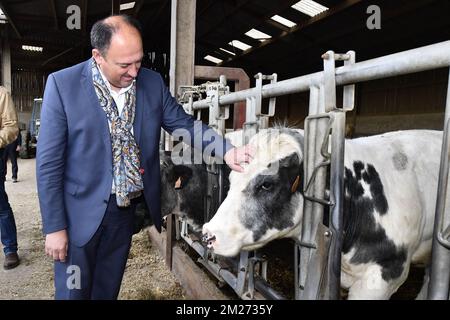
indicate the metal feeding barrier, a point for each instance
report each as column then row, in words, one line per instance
column 318, row 252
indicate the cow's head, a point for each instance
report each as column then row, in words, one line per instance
column 173, row 179
column 183, row 187
column 265, row 201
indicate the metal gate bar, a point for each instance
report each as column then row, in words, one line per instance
column 420, row 59
column 440, row 257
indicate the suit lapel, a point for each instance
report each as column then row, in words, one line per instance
column 92, row 99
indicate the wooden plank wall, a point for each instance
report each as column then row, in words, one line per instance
column 26, row 86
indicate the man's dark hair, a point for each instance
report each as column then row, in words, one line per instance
column 101, row 32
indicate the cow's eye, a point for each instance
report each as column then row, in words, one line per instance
column 267, row 185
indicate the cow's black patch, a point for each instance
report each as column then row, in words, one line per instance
column 268, row 197
column 372, row 178
column 361, row 232
column 358, row 167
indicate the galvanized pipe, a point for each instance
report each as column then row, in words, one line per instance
column 311, row 264
column 303, row 253
column 440, row 257
column 420, row 59
column 337, row 198
column 266, row 290
column 214, row 268
column 220, row 273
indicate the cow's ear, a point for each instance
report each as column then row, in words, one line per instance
column 290, row 161
column 293, row 169
column 182, row 176
column 178, row 184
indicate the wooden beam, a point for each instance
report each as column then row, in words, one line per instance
column 151, row 22
column 182, row 44
column 62, row 53
column 277, row 25
column 196, row 283
column 346, row 4
column 115, row 7
column 28, row 64
column 52, row 6
column 352, row 29
column 225, row 18
column 10, row 20
column 250, row 12
column 205, row 7
column 138, row 7
column 169, row 242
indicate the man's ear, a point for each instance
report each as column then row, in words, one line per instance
column 97, row 56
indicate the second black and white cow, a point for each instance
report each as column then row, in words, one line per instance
column 390, row 196
column 184, row 186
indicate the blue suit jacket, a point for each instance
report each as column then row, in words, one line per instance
column 74, row 160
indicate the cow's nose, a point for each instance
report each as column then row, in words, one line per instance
column 208, row 239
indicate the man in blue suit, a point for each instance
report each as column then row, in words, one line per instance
column 97, row 156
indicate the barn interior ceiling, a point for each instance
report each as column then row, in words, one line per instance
column 282, row 36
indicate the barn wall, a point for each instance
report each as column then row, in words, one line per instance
column 414, row 101
column 422, row 92
column 26, row 85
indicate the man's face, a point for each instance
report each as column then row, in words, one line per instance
column 121, row 62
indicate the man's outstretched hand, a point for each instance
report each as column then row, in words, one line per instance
column 240, row 155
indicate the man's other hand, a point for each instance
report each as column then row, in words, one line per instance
column 56, row 244
column 240, row 155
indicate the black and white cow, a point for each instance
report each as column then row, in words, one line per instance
column 183, row 188
column 390, row 196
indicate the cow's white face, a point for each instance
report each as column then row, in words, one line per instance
column 264, row 202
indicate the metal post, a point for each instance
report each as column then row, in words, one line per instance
column 242, row 272
column 337, row 200
column 312, row 247
column 320, row 247
column 440, row 258
column 302, row 253
column 251, row 124
column 254, row 118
